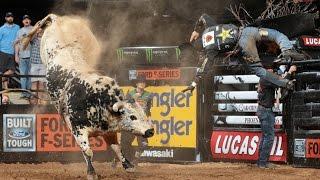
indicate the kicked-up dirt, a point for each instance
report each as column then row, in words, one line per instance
column 199, row 171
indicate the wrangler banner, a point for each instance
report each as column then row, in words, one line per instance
column 54, row 135
column 174, row 116
column 245, row 145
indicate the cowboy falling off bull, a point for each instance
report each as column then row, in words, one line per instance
column 220, row 38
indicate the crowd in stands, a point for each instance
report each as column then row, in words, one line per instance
column 16, row 58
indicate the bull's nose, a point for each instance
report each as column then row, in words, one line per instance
column 149, row 133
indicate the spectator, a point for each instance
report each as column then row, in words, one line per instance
column 143, row 98
column 22, row 56
column 37, row 67
column 8, row 34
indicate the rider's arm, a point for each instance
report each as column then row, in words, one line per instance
column 203, row 22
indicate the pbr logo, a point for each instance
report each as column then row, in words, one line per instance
column 19, row 132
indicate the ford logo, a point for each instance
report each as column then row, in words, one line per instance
column 19, row 133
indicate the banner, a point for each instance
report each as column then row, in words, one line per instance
column 299, row 148
column 156, row 74
column 168, row 154
column 174, row 116
column 242, row 120
column 241, row 107
column 307, row 148
column 313, row 148
column 311, row 41
column 19, row 133
column 245, row 145
column 54, row 135
column 149, row 54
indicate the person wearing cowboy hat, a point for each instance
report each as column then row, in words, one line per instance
column 22, row 56
column 143, row 98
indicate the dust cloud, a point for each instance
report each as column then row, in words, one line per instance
column 78, row 40
column 126, row 23
column 141, row 23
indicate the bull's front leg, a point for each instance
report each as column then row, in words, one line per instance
column 113, row 142
column 82, row 140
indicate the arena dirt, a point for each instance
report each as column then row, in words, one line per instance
column 155, row 171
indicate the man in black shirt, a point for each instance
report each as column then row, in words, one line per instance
column 266, row 99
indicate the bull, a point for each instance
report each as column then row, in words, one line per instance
column 90, row 104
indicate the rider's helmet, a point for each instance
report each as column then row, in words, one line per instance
column 222, row 37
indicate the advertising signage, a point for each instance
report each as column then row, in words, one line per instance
column 245, row 145
column 19, row 133
column 53, row 135
column 173, row 115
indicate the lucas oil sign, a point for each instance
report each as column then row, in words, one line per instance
column 245, row 145
column 19, row 133
column 54, row 135
column 173, row 115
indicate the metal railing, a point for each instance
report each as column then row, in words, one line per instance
column 18, row 89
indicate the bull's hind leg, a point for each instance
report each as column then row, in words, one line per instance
column 112, row 141
column 82, row 139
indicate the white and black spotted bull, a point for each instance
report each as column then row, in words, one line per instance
column 90, row 104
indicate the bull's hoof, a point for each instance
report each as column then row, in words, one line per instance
column 92, row 177
column 126, row 164
column 130, row 170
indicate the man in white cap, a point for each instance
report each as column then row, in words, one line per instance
column 22, row 56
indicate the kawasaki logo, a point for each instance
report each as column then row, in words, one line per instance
column 156, row 153
column 120, row 54
column 149, row 55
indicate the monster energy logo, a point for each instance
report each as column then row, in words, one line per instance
column 178, row 52
column 149, row 55
column 120, row 54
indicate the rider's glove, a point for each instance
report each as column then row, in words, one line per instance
column 190, row 88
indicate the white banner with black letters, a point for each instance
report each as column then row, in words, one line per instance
column 242, row 120
column 242, row 107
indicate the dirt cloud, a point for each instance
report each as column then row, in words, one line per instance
column 143, row 22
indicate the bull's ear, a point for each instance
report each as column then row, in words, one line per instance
column 117, row 106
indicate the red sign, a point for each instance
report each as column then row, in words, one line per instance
column 160, row 74
column 245, row 145
column 53, row 134
column 312, row 148
column 311, row 41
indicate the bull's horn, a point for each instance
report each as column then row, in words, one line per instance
column 117, row 106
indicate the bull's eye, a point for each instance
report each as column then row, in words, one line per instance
column 132, row 117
